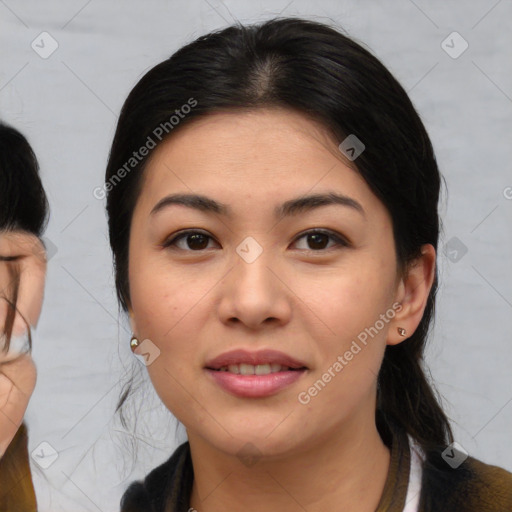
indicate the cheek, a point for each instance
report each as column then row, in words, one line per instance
column 170, row 307
column 165, row 300
column 160, row 307
column 352, row 297
column 355, row 304
column 4, row 278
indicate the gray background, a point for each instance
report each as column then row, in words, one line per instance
column 67, row 105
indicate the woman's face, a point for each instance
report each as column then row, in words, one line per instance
column 17, row 369
column 253, row 281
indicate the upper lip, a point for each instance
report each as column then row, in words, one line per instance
column 259, row 357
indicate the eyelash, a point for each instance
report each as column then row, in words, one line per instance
column 340, row 241
column 9, row 258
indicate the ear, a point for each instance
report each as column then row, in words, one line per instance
column 28, row 252
column 412, row 293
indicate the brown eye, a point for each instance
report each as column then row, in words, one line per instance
column 317, row 240
column 194, row 241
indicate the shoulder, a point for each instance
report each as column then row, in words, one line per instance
column 15, row 475
column 473, row 486
column 491, row 484
column 162, row 484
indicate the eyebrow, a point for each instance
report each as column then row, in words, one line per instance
column 288, row 208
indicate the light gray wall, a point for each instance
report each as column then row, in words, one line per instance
column 67, row 105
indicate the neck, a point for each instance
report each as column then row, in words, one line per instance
column 346, row 469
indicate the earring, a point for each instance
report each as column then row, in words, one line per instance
column 401, row 331
column 134, row 343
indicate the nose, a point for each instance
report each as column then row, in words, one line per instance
column 255, row 293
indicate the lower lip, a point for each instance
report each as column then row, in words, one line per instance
column 255, row 386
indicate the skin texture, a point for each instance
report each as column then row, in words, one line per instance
column 17, row 369
column 308, row 302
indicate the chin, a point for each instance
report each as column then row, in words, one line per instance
column 264, row 438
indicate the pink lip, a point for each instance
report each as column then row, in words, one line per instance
column 254, row 386
column 260, row 357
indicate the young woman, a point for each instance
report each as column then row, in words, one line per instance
column 272, row 206
column 23, row 217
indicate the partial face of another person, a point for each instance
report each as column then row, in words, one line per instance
column 266, row 271
column 17, row 369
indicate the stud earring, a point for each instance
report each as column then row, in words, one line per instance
column 401, row 331
column 134, row 343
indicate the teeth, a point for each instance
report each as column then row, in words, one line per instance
column 250, row 369
column 262, row 369
column 246, row 369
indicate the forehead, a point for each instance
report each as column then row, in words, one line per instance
column 265, row 155
column 255, row 137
